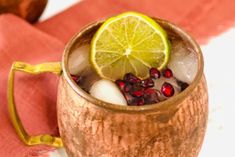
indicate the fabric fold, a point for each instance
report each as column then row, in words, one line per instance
column 35, row 95
column 201, row 18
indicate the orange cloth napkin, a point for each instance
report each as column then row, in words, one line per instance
column 36, row 95
column 201, row 18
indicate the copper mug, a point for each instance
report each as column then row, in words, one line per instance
column 92, row 128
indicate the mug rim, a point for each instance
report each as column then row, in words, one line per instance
column 170, row 102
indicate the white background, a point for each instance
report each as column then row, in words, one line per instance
column 219, row 70
column 55, row 6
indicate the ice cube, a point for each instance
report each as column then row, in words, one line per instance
column 79, row 60
column 183, row 62
column 107, row 91
column 159, row 82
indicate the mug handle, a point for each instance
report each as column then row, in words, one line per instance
column 53, row 67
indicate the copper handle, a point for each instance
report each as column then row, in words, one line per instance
column 54, row 67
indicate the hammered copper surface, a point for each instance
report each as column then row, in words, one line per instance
column 30, row 10
column 92, row 128
column 90, row 131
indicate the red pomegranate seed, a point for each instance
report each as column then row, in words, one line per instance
column 121, row 84
column 147, row 83
column 131, row 101
column 127, row 88
column 167, row 89
column 154, row 73
column 167, row 73
column 137, row 93
column 140, row 102
column 151, row 96
column 149, row 91
column 129, row 77
column 75, row 78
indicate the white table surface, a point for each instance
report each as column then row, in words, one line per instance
column 219, row 56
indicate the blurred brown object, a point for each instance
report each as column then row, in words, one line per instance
column 30, row 10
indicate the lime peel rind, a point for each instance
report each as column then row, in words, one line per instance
column 156, row 27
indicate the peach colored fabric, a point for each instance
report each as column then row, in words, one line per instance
column 35, row 95
column 202, row 18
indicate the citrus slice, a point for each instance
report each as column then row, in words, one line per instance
column 129, row 43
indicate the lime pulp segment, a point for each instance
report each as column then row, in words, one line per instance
column 129, row 42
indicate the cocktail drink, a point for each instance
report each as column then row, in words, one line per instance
column 132, row 74
column 132, row 86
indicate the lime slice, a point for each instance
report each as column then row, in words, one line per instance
column 129, row 42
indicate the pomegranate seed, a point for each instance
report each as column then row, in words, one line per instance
column 127, row 88
column 147, row 83
column 140, row 102
column 137, row 91
column 131, row 101
column 154, row 73
column 151, row 96
column 167, row 89
column 75, row 78
column 129, row 77
column 121, row 84
column 167, row 73
column 149, row 91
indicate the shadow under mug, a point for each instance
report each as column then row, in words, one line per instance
column 91, row 127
